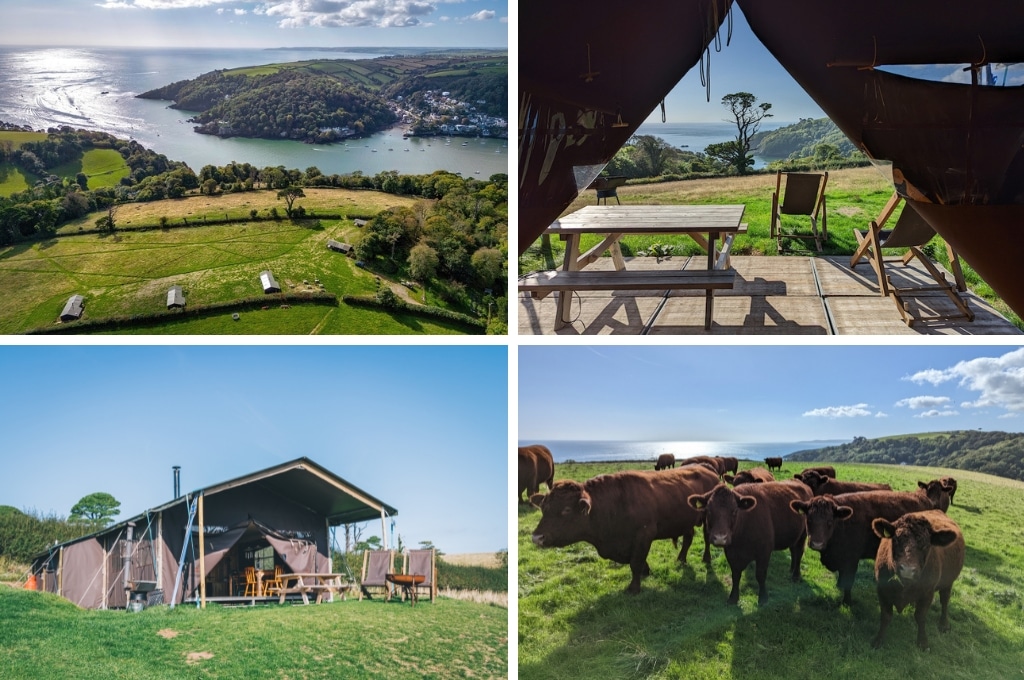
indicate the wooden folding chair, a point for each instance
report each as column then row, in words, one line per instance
column 804, row 195
column 251, row 584
column 273, row 584
column 376, row 564
column 912, row 232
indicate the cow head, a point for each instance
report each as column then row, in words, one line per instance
column 722, row 506
column 937, row 492
column 743, row 477
column 821, row 514
column 912, row 538
column 565, row 514
column 812, row 478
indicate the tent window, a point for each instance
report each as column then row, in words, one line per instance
column 264, row 558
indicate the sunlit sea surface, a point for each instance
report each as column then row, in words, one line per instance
column 595, row 451
column 95, row 88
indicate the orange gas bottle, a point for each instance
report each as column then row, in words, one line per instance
column 30, row 584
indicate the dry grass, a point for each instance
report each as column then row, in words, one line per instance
column 195, row 208
column 478, row 596
column 484, row 559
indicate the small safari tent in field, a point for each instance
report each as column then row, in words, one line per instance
column 280, row 516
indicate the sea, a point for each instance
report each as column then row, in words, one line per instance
column 95, row 89
column 597, row 451
column 697, row 136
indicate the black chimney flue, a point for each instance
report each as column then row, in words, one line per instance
column 177, row 481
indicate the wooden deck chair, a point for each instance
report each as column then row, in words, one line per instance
column 912, row 232
column 251, row 583
column 423, row 562
column 273, row 584
column 804, row 195
column 376, row 563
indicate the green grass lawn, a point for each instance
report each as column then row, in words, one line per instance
column 129, row 272
column 576, row 621
column 44, row 636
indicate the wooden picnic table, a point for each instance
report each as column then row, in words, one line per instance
column 321, row 584
column 616, row 221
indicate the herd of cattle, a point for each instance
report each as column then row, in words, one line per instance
column 917, row 548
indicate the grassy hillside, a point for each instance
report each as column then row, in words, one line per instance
column 102, row 167
column 129, row 272
column 575, row 620
column 994, row 453
column 44, row 636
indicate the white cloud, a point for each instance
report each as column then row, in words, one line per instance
column 162, row 4
column 482, row 15
column 998, row 380
column 923, row 402
column 839, row 411
column 343, row 13
column 881, row 415
column 935, row 413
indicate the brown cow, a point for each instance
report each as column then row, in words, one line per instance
column 823, row 470
column 919, row 553
column 621, row 514
column 711, row 462
column 750, row 523
column 773, row 463
column 839, row 528
column 665, row 461
column 938, row 493
column 751, row 476
column 729, row 464
column 821, row 485
column 950, row 482
column 536, row 467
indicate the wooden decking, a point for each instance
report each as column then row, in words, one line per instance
column 771, row 296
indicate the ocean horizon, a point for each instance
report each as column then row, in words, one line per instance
column 591, row 451
column 697, row 136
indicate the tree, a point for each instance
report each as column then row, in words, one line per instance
column 98, row 508
column 488, row 264
column 289, row 195
column 422, row 262
column 747, row 114
column 651, row 154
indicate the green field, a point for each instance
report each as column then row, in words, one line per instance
column 576, row 621
column 129, row 272
column 103, row 167
column 44, row 636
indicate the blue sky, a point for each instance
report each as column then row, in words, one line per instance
column 424, row 429
column 744, row 65
column 257, row 23
column 765, row 393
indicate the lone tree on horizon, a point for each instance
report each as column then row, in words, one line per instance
column 96, row 508
column 747, row 114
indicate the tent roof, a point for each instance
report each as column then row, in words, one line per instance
column 301, row 480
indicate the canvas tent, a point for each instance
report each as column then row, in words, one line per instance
column 282, row 514
column 269, row 284
column 175, row 297
column 73, row 309
column 339, row 247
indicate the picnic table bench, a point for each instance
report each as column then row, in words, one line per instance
column 616, row 221
column 321, row 584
